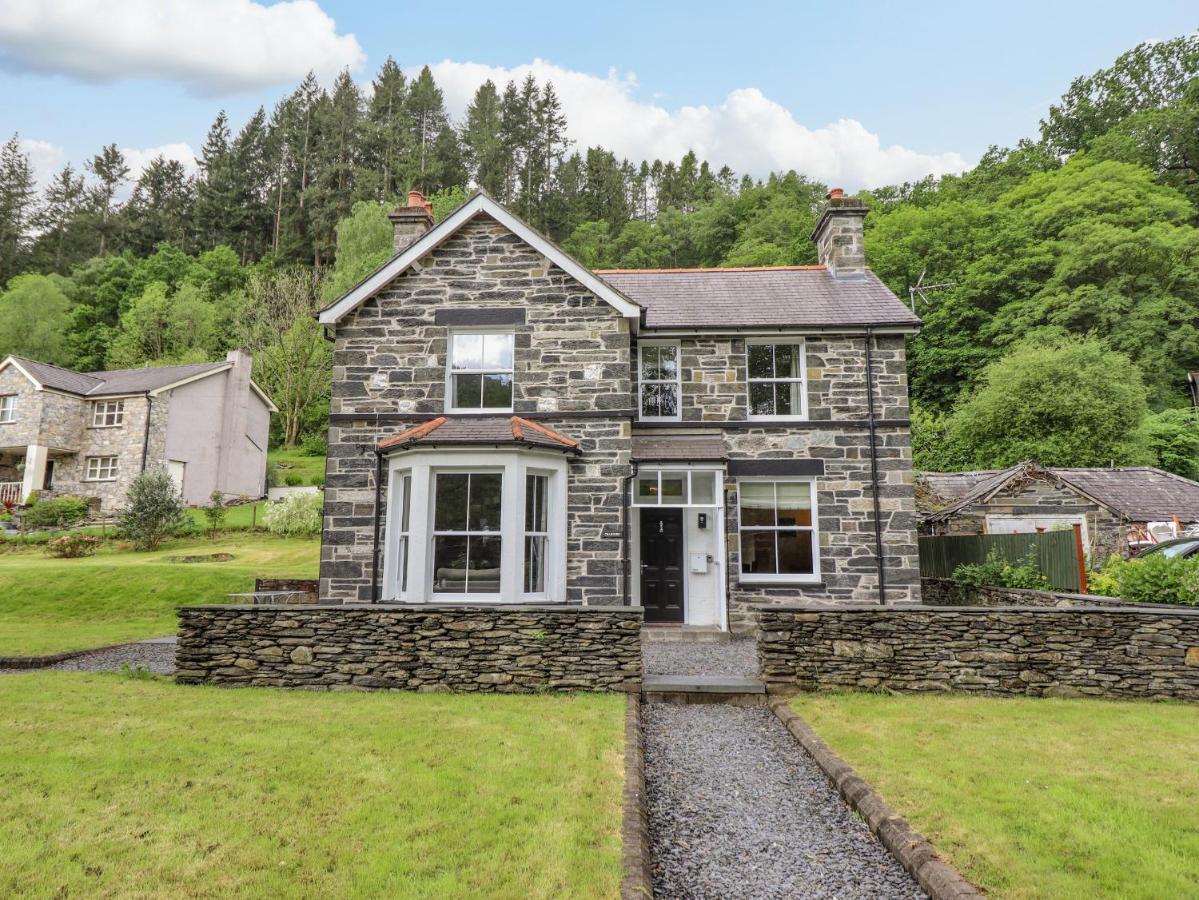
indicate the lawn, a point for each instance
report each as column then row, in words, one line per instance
column 296, row 462
column 1034, row 797
column 119, row 787
column 52, row 605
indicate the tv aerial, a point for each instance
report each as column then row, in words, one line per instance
column 920, row 289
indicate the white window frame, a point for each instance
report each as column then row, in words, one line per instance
column 423, row 466
column 802, row 380
column 688, row 471
column 8, row 408
column 434, row 534
column 451, row 399
column 526, row 533
column 94, row 466
column 677, row 381
column 108, row 413
column 784, row 578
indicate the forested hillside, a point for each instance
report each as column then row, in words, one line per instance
column 1070, row 318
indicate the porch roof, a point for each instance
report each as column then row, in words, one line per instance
column 480, row 431
column 678, row 448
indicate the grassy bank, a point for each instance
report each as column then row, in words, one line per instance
column 1034, row 797
column 121, row 787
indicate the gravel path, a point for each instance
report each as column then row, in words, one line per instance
column 738, row 657
column 738, row 810
column 157, row 656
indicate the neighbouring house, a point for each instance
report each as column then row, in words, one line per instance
column 90, row 434
column 510, row 426
column 1114, row 508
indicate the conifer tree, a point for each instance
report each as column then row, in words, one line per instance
column 111, row 171
column 427, row 117
column 58, row 218
column 160, row 208
column 216, row 197
column 482, row 140
column 387, row 135
column 17, row 193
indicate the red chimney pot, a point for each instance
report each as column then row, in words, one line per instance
column 416, row 198
column 836, row 194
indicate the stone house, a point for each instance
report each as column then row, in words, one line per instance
column 89, row 434
column 508, row 426
column 1113, row 507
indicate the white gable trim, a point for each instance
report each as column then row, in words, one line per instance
column 189, row 379
column 479, row 204
column 10, row 361
column 270, row 404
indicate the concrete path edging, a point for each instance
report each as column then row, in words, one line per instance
column 44, row 662
column 636, row 881
column 909, row 847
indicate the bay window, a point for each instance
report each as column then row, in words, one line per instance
column 466, row 533
column 536, row 532
column 775, row 374
column 480, row 371
column 659, row 377
column 778, row 534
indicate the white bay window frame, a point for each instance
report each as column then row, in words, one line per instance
column 421, row 468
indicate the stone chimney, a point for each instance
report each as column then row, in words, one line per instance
column 839, row 235
column 411, row 221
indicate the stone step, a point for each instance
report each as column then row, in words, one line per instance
column 684, row 689
column 697, row 633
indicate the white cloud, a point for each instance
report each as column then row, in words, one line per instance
column 213, row 46
column 748, row 131
column 45, row 158
column 48, row 159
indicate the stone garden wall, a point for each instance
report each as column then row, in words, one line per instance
column 1080, row 651
column 946, row 592
column 508, row 649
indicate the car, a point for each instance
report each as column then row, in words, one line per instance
column 1183, row 548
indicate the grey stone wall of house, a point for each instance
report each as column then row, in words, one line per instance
column 492, row 649
column 1107, row 533
column 26, row 426
column 1079, row 651
column 572, row 356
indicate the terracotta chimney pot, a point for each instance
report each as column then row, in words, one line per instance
column 836, row 194
column 416, row 198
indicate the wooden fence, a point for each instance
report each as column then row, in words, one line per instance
column 1056, row 553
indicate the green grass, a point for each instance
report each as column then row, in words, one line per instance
column 116, row 787
column 295, row 462
column 53, row 605
column 237, row 518
column 1034, row 797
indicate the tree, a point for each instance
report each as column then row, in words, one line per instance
column 482, row 140
column 160, row 208
column 1068, row 403
column 388, row 131
column 164, row 328
column 155, row 511
column 364, row 242
column 58, row 220
column 1173, row 437
column 17, row 192
column 427, row 117
column 216, row 194
column 110, row 171
column 34, row 316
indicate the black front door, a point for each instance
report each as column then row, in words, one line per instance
column 662, row 564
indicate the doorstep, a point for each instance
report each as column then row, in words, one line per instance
column 686, row 689
column 696, row 633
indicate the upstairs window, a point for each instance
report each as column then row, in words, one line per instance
column 480, row 369
column 8, row 408
column 660, row 378
column 776, row 380
column 101, row 468
column 108, row 413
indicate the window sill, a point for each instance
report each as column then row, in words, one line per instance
column 98, row 480
column 100, row 427
column 780, row 581
column 777, row 419
column 485, row 411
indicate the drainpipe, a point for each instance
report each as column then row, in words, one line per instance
column 626, row 530
column 375, row 548
column 878, row 528
column 146, row 435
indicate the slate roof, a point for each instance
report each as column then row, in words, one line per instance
column 1138, row 493
column 678, row 448
column 777, row 296
column 480, row 430
column 113, row 381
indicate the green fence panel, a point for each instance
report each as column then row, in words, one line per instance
column 1055, row 552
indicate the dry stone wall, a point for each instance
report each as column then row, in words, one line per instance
column 1081, row 651
column 479, row 649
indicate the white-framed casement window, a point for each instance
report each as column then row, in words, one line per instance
column 100, row 468
column 660, row 381
column 776, row 377
column 8, row 408
column 108, row 413
column 684, row 487
column 464, row 525
column 777, row 520
column 479, row 371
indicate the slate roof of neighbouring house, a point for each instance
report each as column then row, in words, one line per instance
column 480, row 430
column 781, row 296
column 678, row 448
column 112, row 381
column 1138, row 493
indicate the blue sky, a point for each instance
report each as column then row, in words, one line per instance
column 862, row 93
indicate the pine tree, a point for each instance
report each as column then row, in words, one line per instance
column 17, row 193
column 482, row 140
column 388, row 131
column 250, row 188
column 514, row 129
column 427, row 117
column 160, row 209
column 551, row 145
column 339, row 120
column 58, row 218
column 216, row 199
column 110, row 170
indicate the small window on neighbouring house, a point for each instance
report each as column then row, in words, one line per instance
column 778, row 530
column 101, row 468
column 480, row 371
column 659, row 375
column 108, row 413
column 8, row 408
column 776, row 380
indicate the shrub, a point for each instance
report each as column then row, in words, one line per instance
column 295, row 514
column 293, row 479
column 998, row 572
column 1153, row 579
column 214, row 513
column 59, row 513
column 314, row 445
column 318, row 480
column 72, row 546
column 274, row 476
column 155, row 510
